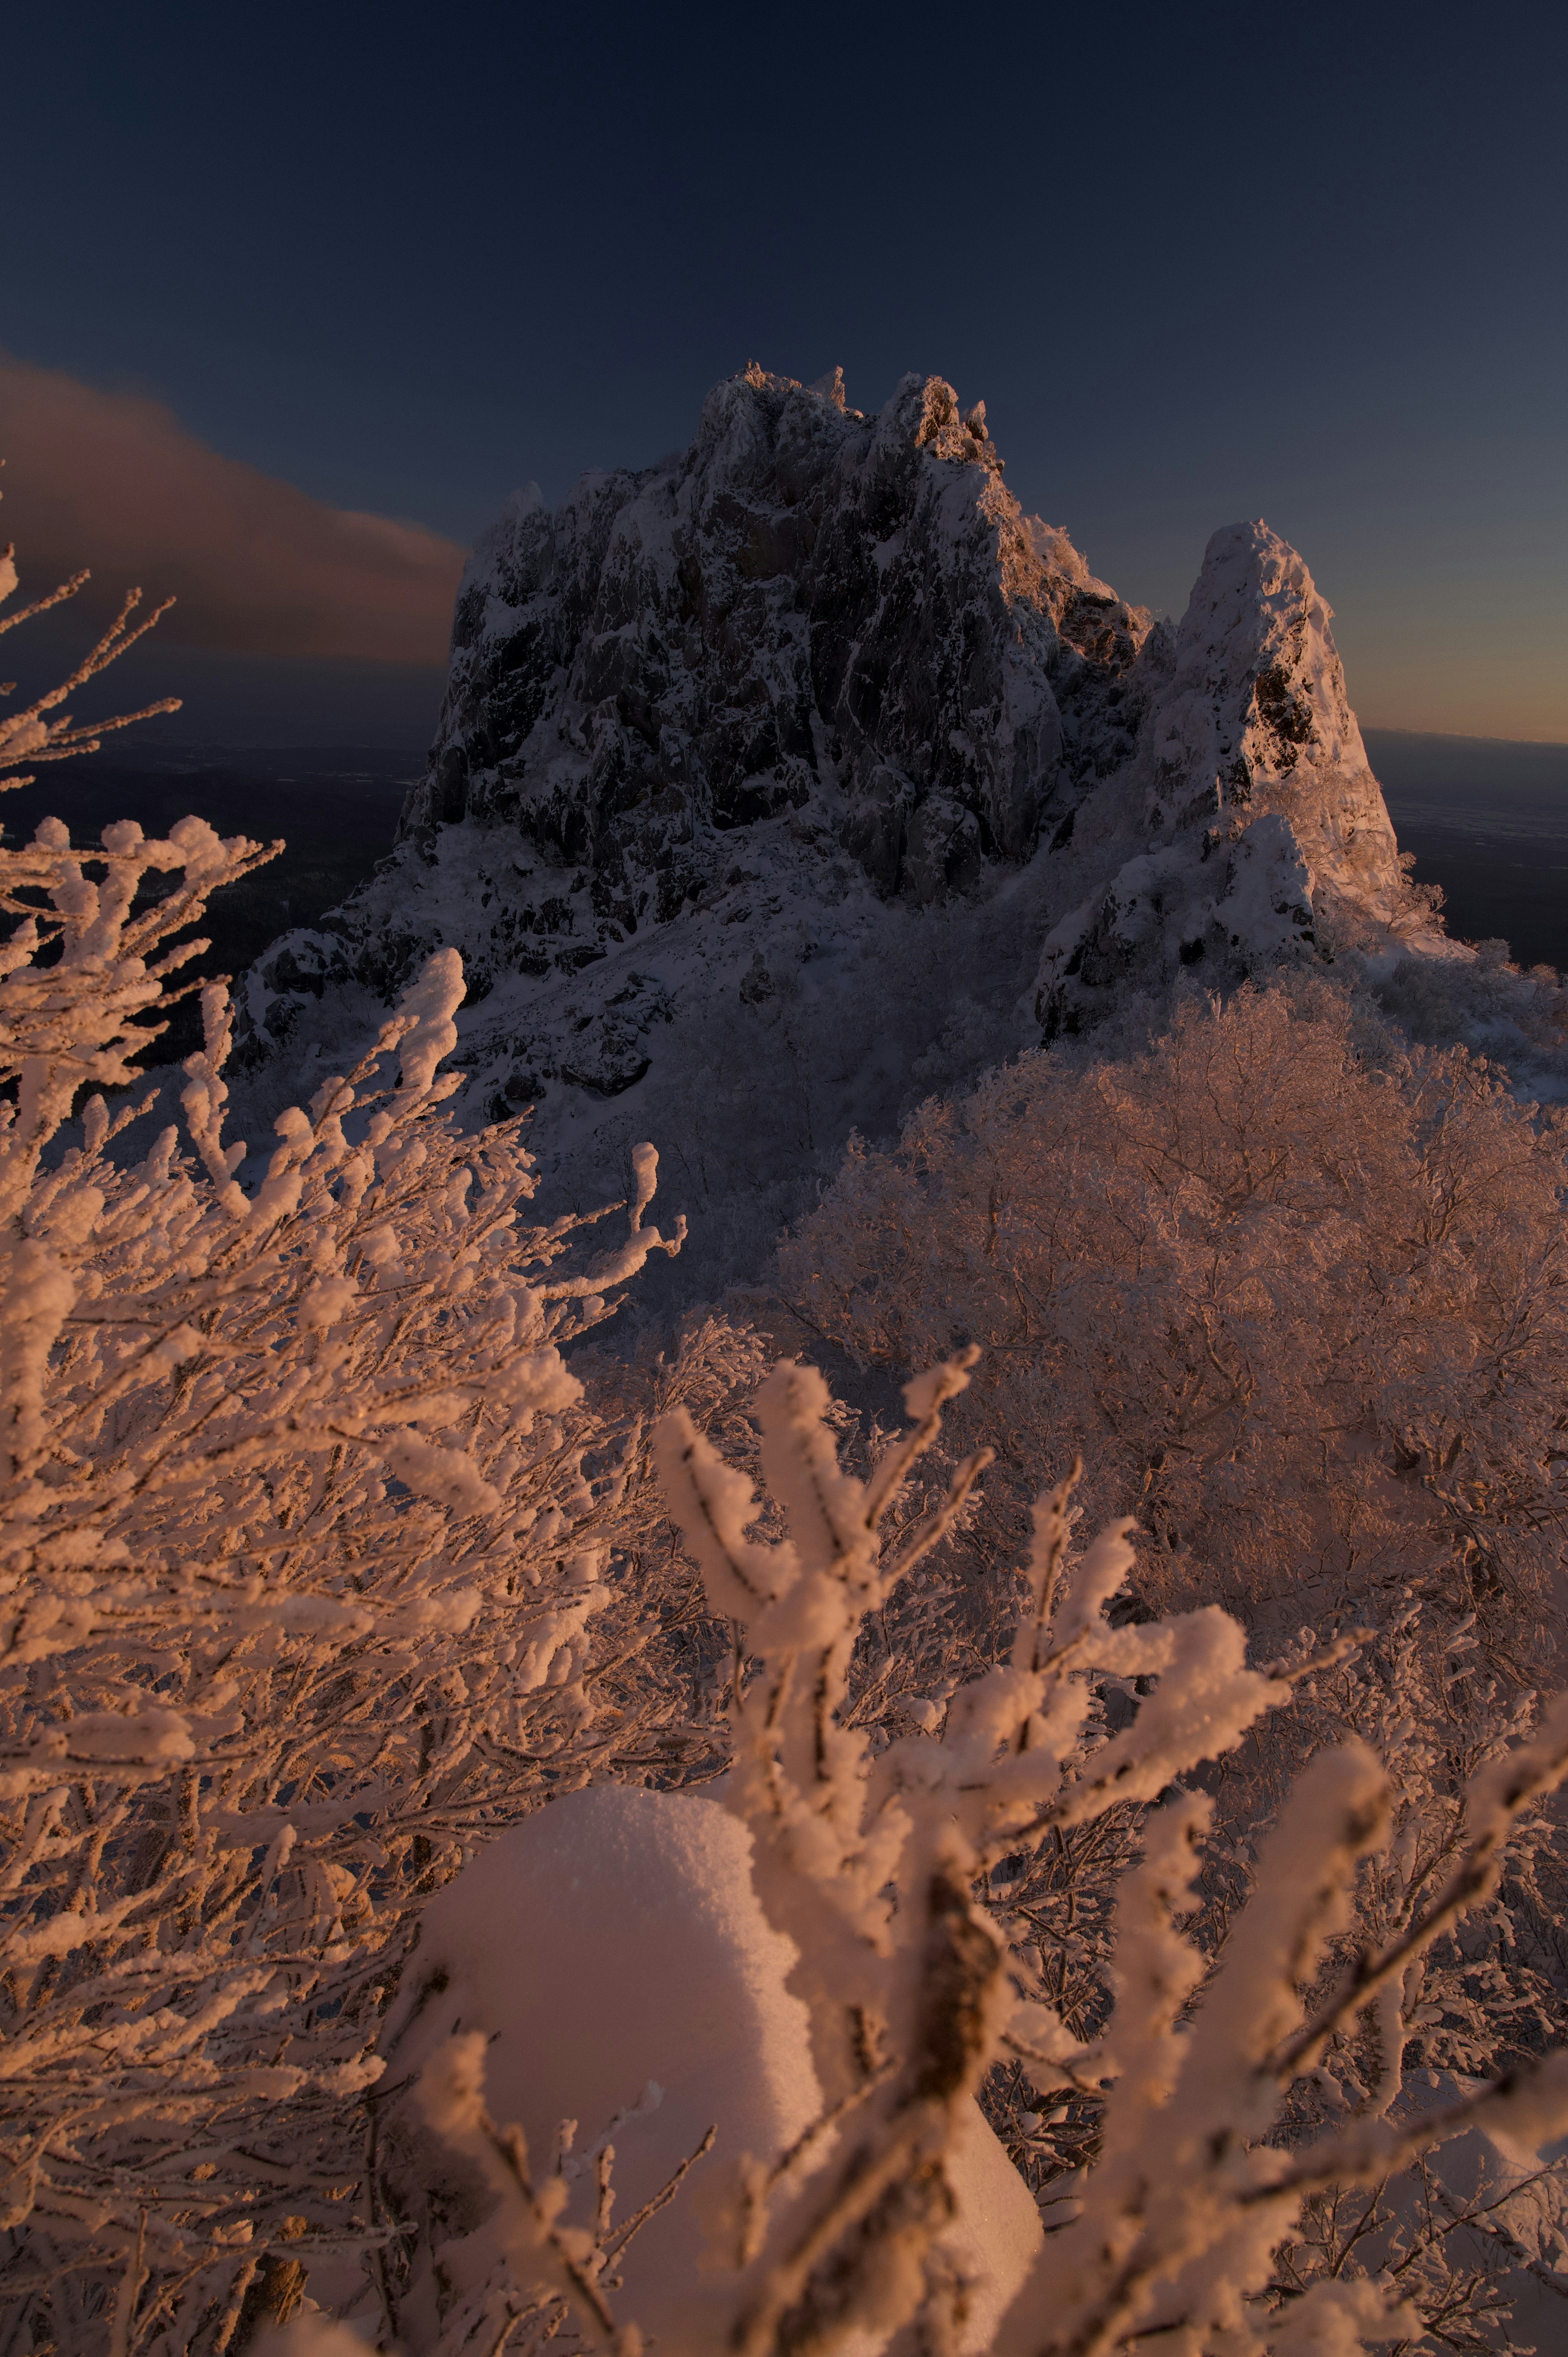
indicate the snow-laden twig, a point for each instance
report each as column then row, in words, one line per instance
column 31, row 733
column 870, row 1864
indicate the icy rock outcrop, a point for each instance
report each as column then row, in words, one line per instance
column 1253, row 830
column 613, row 1950
column 805, row 597
column 800, row 774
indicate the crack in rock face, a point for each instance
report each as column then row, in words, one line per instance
column 805, row 754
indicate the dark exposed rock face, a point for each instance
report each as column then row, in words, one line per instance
column 805, row 598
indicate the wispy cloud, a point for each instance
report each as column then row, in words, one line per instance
column 112, row 480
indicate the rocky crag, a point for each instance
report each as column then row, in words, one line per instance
column 1247, row 829
column 784, row 780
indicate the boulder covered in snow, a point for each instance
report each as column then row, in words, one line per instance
column 613, row 1951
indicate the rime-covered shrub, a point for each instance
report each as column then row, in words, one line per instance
column 1302, row 1311
column 1518, row 1017
column 872, row 1864
column 318, row 1562
column 1299, row 1300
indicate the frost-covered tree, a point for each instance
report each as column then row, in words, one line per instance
column 315, row 1565
column 1299, row 1300
column 1296, row 1296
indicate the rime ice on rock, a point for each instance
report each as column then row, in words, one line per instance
column 1256, row 831
column 806, row 751
column 805, row 594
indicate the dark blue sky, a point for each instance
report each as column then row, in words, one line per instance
column 1201, row 264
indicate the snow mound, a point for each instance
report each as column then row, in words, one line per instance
column 613, row 1950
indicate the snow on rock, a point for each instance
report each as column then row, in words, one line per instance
column 800, row 774
column 1253, row 830
column 804, row 594
column 613, row 1950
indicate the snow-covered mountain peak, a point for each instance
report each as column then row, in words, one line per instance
column 1258, row 696
column 778, row 782
column 806, row 598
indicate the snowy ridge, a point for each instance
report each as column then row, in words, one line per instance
column 802, row 774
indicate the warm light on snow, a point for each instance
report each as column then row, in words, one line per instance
column 511, row 1842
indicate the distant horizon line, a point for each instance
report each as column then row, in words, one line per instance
column 165, row 741
column 1459, row 736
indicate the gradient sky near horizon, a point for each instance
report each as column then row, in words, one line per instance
column 312, row 288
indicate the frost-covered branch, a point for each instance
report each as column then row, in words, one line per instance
column 31, row 733
column 870, row 1863
column 312, row 1555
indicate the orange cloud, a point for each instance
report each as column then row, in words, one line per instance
column 113, row 481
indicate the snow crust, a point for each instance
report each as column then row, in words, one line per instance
column 613, row 1950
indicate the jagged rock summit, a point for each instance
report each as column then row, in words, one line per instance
column 1248, row 824
column 801, row 772
column 806, row 600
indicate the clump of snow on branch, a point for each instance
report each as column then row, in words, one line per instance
column 611, row 1943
